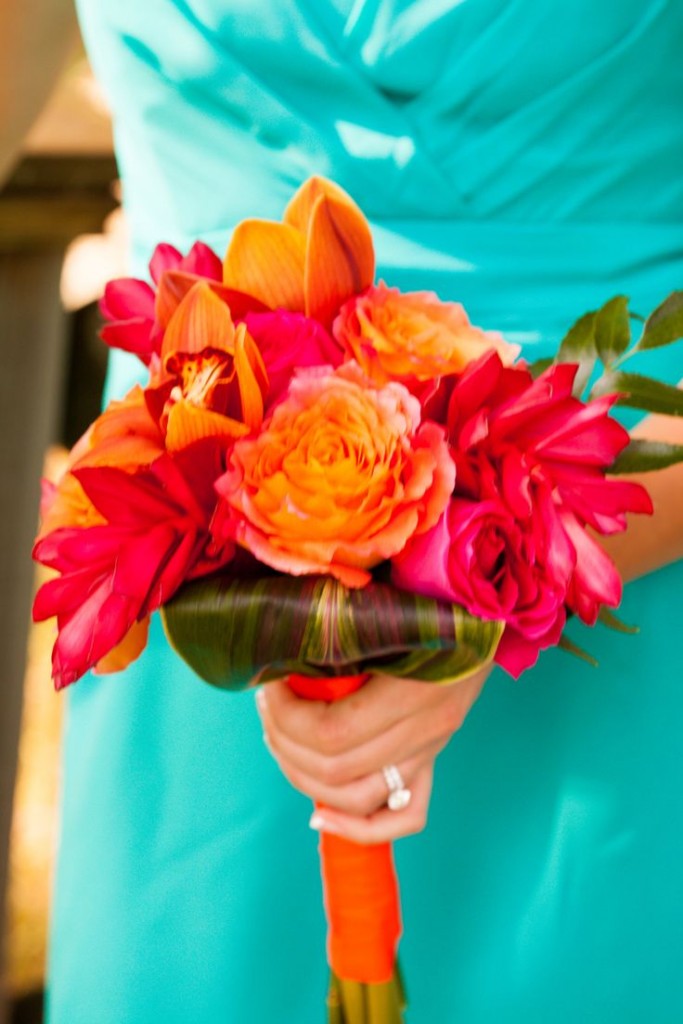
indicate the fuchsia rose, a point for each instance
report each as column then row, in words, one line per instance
column 478, row 556
column 289, row 342
column 535, row 457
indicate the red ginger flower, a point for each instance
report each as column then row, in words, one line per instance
column 155, row 536
column 535, row 458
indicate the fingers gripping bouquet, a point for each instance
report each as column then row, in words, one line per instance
column 323, row 477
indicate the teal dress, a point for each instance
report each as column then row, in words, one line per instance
column 525, row 158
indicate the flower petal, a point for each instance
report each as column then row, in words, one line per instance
column 340, row 259
column 188, row 423
column 251, row 377
column 201, row 321
column 165, row 257
column 266, row 260
column 125, row 652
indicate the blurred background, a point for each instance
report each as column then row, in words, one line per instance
column 61, row 237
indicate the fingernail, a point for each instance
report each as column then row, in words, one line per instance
column 261, row 699
column 321, row 824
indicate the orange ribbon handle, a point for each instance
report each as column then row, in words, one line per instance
column 359, row 882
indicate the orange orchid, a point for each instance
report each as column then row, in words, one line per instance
column 317, row 258
column 212, row 379
column 174, row 285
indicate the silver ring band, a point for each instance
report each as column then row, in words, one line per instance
column 399, row 794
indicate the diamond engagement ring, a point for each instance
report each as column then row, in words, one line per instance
column 399, row 795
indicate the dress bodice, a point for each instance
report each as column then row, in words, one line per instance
column 517, row 111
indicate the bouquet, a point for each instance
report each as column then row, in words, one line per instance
column 325, row 477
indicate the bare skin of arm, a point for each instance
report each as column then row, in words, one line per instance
column 36, row 37
column 335, row 753
column 653, row 541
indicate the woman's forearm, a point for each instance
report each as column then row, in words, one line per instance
column 36, row 37
column 651, row 542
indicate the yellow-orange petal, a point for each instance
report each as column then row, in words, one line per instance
column 201, row 321
column 340, row 259
column 300, row 208
column 252, row 377
column 130, row 648
column 188, row 423
column 175, row 284
column 266, row 260
column 66, row 504
column 124, row 434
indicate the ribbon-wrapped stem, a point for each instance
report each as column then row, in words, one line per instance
column 362, row 905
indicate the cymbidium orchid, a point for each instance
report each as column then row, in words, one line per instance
column 211, row 378
column 320, row 255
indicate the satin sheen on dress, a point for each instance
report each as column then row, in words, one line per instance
column 525, row 158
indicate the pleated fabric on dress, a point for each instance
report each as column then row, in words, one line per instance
column 526, row 159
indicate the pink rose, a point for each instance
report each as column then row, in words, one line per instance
column 290, row 341
column 546, row 453
column 480, row 557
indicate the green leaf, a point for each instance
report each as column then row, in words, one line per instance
column 579, row 346
column 571, row 648
column 664, row 325
column 238, row 632
column 540, row 366
column 638, row 392
column 642, row 456
column 612, row 621
column 612, row 329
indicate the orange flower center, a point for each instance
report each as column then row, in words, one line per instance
column 200, row 374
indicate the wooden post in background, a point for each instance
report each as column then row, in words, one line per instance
column 48, row 202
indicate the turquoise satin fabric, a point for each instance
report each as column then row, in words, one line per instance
column 525, row 158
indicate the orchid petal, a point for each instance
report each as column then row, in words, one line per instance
column 175, row 284
column 189, row 423
column 266, row 260
column 340, row 261
column 251, row 377
column 201, row 321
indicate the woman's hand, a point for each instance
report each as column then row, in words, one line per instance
column 334, row 753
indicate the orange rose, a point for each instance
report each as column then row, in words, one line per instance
column 412, row 336
column 340, row 478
